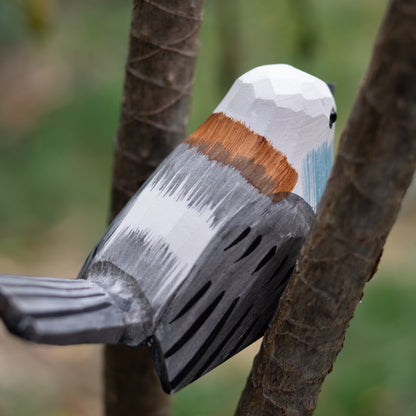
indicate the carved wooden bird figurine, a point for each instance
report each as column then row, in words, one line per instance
column 195, row 264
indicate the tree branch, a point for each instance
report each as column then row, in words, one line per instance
column 374, row 167
column 154, row 116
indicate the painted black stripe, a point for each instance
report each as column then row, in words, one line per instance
column 200, row 353
column 195, row 326
column 241, row 237
column 201, row 292
column 69, row 312
column 218, row 350
column 55, row 296
column 278, row 269
column 263, row 329
column 285, row 279
column 271, row 309
column 242, row 339
column 251, row 247
column 265, row 259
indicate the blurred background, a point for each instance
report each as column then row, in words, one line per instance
column 61, row 77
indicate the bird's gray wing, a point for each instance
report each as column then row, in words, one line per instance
column 231, row 294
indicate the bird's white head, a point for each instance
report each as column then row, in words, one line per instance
column 295, row 112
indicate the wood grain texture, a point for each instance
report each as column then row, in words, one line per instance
column 375, row 165
column 163, row 46
column 233, row 144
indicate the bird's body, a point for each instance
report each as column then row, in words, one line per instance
column 194, row 265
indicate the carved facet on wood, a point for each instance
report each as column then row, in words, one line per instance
column 194, row 265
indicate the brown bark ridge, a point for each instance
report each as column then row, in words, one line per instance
column 375, row 164
column 154, row 115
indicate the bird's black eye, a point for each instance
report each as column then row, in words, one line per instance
column 332, row 118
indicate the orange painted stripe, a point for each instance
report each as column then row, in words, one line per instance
column 231, row 143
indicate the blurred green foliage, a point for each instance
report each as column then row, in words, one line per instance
column 56, row 152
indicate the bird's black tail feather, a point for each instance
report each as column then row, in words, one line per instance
column 59, row 311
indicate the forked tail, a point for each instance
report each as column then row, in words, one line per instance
column 59, row 311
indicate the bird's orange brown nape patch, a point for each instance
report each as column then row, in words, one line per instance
column 232, row 143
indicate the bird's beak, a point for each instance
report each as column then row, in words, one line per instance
column 331, row 86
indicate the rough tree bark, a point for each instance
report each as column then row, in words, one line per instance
column 375, row 164
column 154, row 116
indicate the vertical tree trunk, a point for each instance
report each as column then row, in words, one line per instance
column 375, row 164
column 154, row 116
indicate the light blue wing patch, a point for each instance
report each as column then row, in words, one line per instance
column 315, row 170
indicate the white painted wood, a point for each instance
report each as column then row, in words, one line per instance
column 167, row 216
